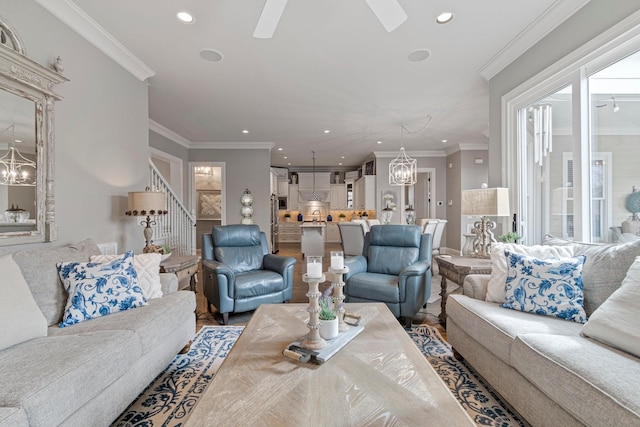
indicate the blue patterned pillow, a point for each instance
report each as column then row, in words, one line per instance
column 550, row 287
column 97, row 289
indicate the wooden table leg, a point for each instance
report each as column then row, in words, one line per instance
column 443, row 300
column 193, row 282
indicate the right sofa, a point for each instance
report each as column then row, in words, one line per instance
column 547, row 368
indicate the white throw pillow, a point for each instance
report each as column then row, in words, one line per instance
column 20, row 318
column 498, row 279
column 548, row 287
column 147, row 268
column 616, row 322
column 98, row 289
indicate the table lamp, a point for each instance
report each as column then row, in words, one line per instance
column 485, row 202
column 149, row 204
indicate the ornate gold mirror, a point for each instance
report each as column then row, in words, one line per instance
column 27, row 99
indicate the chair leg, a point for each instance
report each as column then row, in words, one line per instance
column 457, row 355
column 407, row 322
column 225, row 318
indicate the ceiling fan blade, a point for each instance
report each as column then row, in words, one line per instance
column 269, row 19
column 389, row 12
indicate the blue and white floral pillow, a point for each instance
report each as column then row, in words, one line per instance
column 97, row 289
column 550, row 287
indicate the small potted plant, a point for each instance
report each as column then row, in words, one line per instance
column 342, row 216
column 510, row 237
column 287, row 217
column 328, row 318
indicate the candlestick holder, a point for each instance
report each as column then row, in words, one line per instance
column 313, row 341
column 337, row 282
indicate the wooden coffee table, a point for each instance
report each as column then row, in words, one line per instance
column 379, row 378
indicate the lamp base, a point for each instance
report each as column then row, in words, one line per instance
column 484, row 237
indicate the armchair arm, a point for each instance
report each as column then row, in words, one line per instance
column 356, row 264
column 278, row 263
column 219, row 276
column 475, row 286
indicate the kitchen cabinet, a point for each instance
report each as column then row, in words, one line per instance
column 289, row 232
column 333, row 233
column 292, row 200
column 338, row 196
column 364, row 193
column 283, row 188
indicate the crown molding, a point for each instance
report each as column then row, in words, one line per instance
column 467, row 146
column 232, row 145
column 168, row 133
column 416, row 154
column 553, row 16
column 69, row 13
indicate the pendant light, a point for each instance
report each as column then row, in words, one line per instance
column 403, row 170
column 15, row 169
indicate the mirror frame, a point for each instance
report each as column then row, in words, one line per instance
column 26, row 78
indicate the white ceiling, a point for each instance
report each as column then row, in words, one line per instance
column 330, row 65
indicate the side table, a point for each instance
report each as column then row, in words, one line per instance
column 185, row 266
column 456, row 268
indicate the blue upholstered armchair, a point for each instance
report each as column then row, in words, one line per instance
column 394, row 269
column 239, row 273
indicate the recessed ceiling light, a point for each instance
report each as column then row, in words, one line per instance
column 17, row 140
column 444, row 17
column 284, row 157
column 379, row 142
column 419, row 55
column 280, row 148
column 444, row 141
column 340, row 164
column 342, row 157
column 185, row 17
column 211, row 55
column 289, row 164
column 245, row 131
column 327, row 131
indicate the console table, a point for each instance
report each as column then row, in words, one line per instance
column 185, row 266
column 456, row 268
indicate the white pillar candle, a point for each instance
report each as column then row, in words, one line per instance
column 314, row 266
column 337, row 260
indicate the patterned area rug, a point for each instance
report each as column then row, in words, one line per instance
column 170, row 398
column 482, row 404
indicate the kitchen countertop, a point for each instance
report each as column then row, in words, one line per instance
column 314, row 224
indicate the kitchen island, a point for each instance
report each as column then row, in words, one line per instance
column 312, row 238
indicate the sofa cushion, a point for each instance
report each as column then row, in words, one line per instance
column 51, row 377
column 147, row 269
column 497, row 327
column 151, row 322
column 616, row 321
column 20, row 317
column 604, row 269
column 591, row 381
column 548, row 287
column 498, row 278
column 98, row 289
column 39, row 270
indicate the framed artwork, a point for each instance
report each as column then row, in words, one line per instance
column 368, row 168
column 209, row 205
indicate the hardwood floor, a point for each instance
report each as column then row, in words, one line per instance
column 427, row 316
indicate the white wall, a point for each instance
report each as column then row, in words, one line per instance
column 101, row 131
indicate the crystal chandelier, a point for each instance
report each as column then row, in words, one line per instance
column 403, row 170
column 203, row 170
column 15, row 169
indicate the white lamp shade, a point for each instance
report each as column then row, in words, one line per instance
column 142, row 203
column 486, row 202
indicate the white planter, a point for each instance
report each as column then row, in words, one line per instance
column 329, row 329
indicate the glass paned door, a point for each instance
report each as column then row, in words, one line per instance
column 546, row 191
column 614, row 93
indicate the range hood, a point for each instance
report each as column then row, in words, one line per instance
column 322, row 185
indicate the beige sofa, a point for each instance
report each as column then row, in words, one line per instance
column 543, row 366
column 88, row 373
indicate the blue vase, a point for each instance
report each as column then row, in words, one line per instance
column 299, row 217
column 329, row 218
